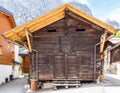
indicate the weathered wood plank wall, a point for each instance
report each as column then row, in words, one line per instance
column 115, row 55
column 7, row 48
column 66, row 53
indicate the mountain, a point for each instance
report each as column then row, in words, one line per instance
column 26, row 10
column 82, row 7
column 113, row 23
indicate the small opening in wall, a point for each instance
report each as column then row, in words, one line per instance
column 53, row 30
column 80, row 29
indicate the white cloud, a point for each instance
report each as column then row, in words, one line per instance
column 81, row 1
column 114, row 15
column 65, row 1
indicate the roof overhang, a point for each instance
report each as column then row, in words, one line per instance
column 17, row 34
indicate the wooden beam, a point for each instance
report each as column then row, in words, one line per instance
column 39, row 25
column 12, row 23
column 44, row 23
column 38, row 20
column 54, row 16
column 92, row 19
column 74, row 16
column 15, row 37
column 102, row 41
column 3, row 13
column 28, row 40
column 83, row 22
column 1, row 50
column 29, row 33
column 47, row 22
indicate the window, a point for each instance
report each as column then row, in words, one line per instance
column 0, row 49
column 80, row 29
column 53, row 30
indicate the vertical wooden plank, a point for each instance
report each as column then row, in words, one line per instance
column 28, row 40
column 72, row 66
column 59, row 67
column 102, row 40
column 54, row 68
column 78, row 65
column 26, row 62
column 65, row 50
column 66, row 72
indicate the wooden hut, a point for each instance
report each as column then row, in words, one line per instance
column 6, row 23
column 115, row 53
column 114, row 56
column 63, row 45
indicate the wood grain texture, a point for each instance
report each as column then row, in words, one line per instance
column 54, row 16
column 26, row 64
column 65, row 56
column 7, row 48
column 115, row 55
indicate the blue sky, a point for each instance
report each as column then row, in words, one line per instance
column 103, row 9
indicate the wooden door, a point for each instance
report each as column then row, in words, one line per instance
column 85, row 67
column 71, row 67
column 65, row 67
column 26, row 64
column 59, row 67
column 45, row 67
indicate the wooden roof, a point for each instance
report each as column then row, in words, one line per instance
column 18, row 33
column 7, row 13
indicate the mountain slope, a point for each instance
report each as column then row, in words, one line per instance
column 25, row 10
column 113, row 23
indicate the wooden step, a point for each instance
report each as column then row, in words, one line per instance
column 66, row 84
